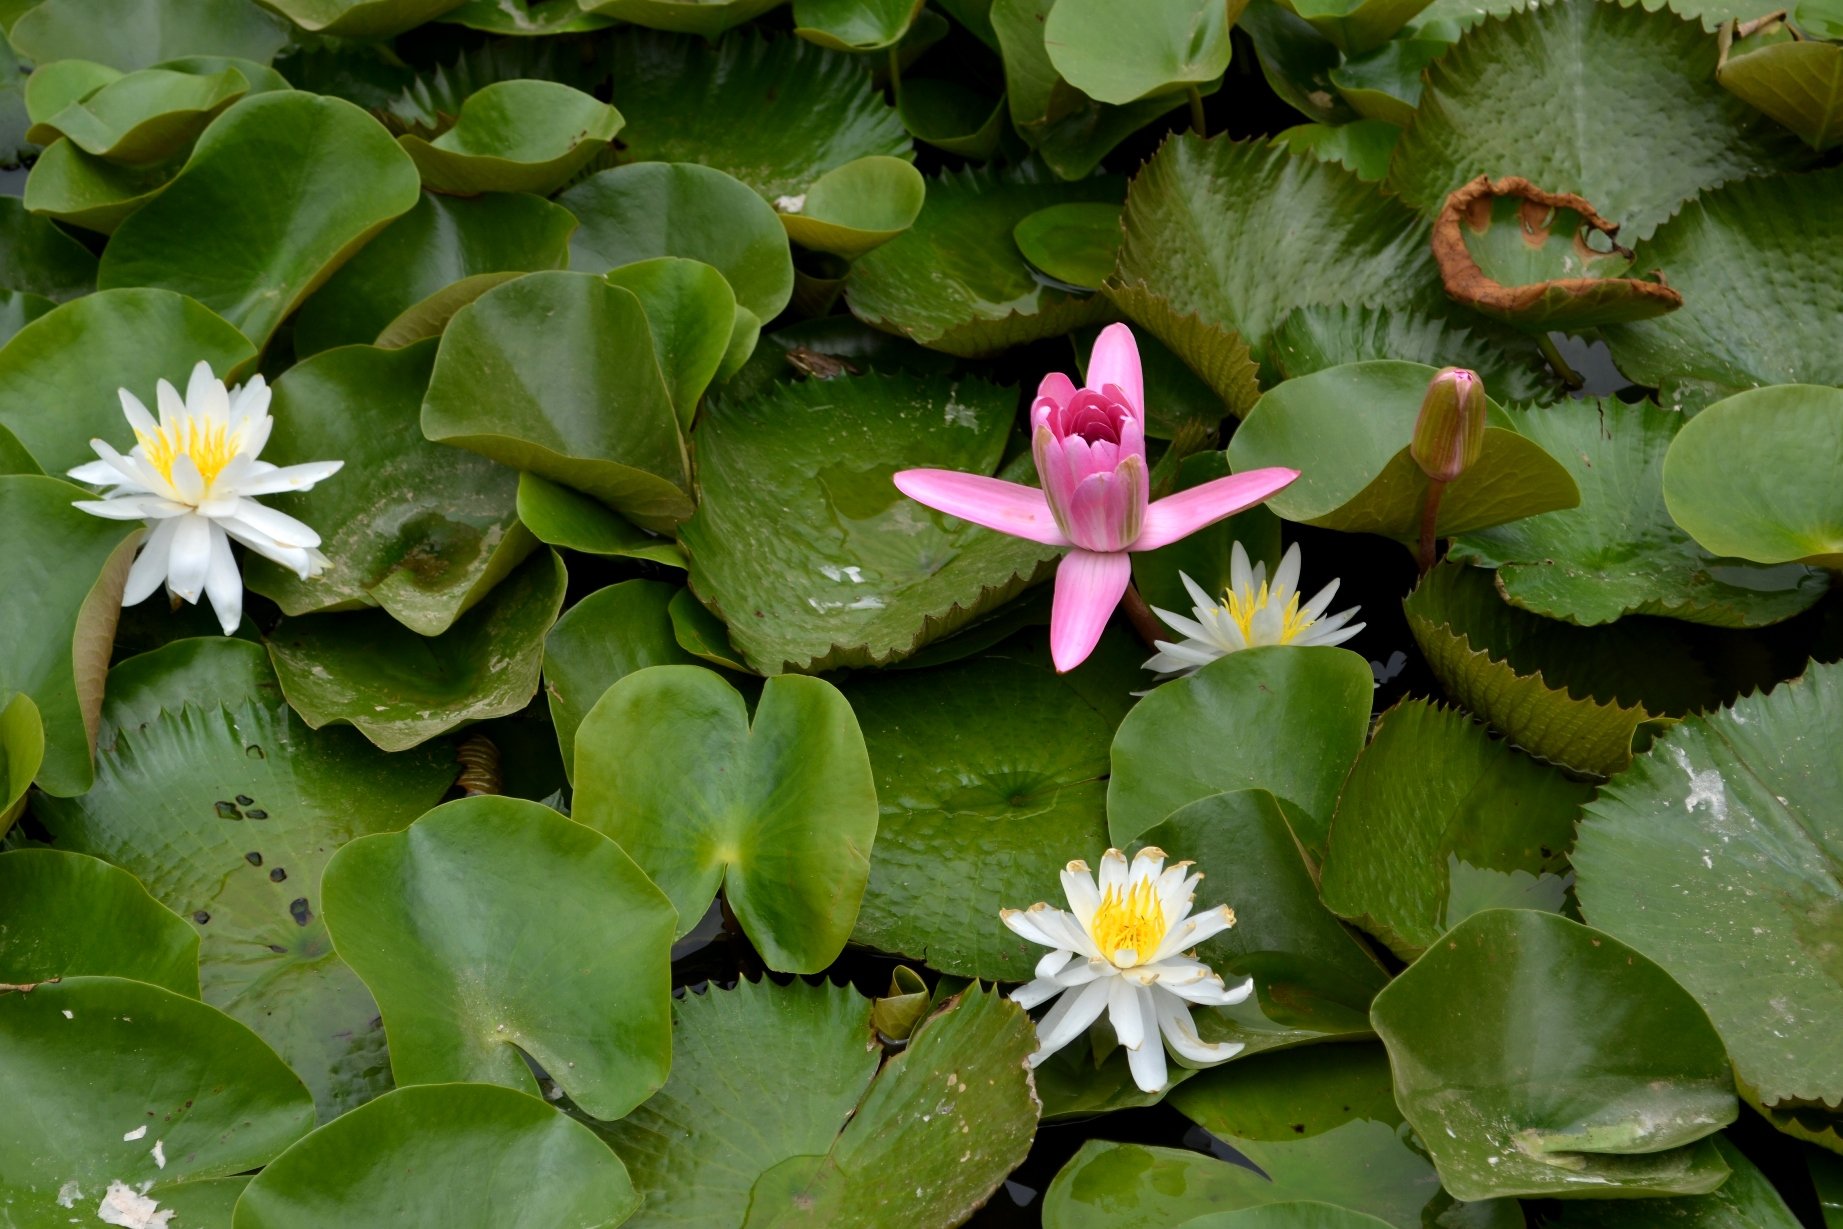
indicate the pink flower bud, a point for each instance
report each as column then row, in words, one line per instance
column 1449, row 434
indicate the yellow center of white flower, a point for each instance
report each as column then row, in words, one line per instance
column 1242, row 606
column 1129, row 927
column 211, row 445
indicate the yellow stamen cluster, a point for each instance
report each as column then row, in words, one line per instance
column 1243, row 607
column 1130, row 922
column 210, row 444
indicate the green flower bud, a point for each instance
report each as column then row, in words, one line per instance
column 1450, row 432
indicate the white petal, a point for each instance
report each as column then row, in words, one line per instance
column 1148, row 863
column 1180, row 1032
column 1286, row 576
column 1210, row 992
column 188, row 483
column 1031, row 993
column 1052, row 963
column 1083, row 971
column 1241, row 577
column 1333, row 635
column 222, row 583
column 1191, row 653
column 1197, row 596
column 1113, row 875
column 97, row 473
column 290, row 478
column 1070, row 1018
column 133, row 472
column 1182, row 626
column 150, row 565
column 1078, row 886
column 172, row 406
column 256, row 438
column 205, row 394
column 127, row 508
column 1321, row 601
column 296, row 559
column 249, row 401
column 278, row 525
column 138, row 418
column 190, row 558
column 1148, row 1061
column 1194, row 930
column 1175, row 892
column 1123, row 1012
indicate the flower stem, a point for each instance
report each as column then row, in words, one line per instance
column 1197, row 123
column 1430, row 517
column 1569, row 375
column 1143, row 620
column 895, row 66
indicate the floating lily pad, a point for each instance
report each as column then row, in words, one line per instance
column 1236, row 235
column 1757, row 263
column 22, row 751
column 706, row 17
column 1746, row 1200
column 514, row 136
column 145, row 116
column 400, row 688
column 117, row 1082
column 692, row 314
column 854, row 25
column 468, row 927
column 1710, row 855
column 1347, row 430
column 634, row 213
column 1621, row 553
column 203, row 671
column 1528, row 94
column 856, row 207
column 1074, row 244
column 1315, row 337
column 526, row 17
column 763, row 1076
column 1357, row 26
column 1797, row 83
column 951, row 117
column 955, row 281
column 1438, row 821
column 133, row 34
column 599, row 641
column 558, row 516
column 94, row 193
column 701, row 633
column 60, row 594
column 227, row 811
column 804, row 546
column 57, row 85
column 778, row 813
column 1168, row 46
column 1540, row 261
column 442, row 241
column 1361, row 147
column 296, row 183
column 1180, row 744
column 38, row 258
column 1385, row 84
column 555, row 373
column 1625, row 1107
column 361, row 18
column 421, row 530
column 1296, row 61
column 65, row 915
column 444, row 1156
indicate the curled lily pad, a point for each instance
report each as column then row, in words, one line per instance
column 694, row 319
column 1361, row 146
column 1075, row 244
column 855, row 25
column 1168, row 46
column 360, row 18
column 22, row 751
column 949, row 116
column 61, row 83
column 526, row 17
column 94, row 193
column 854, row 208
column 67, row 915
column 134, row 34
column 145, row 116
column 1385, row 84
column 558, row 516
column 1797, row 82
column 1358, row 26
column 1347, row 429
column 514, row 136
column 706, row 17
column 1626, row 1107
column 1527, row 257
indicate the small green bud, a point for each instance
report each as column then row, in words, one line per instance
column 1450, row 432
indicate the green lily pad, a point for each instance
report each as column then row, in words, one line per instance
column 1756, row 263
column 996, row 752
column 60, row 594
column 804, row 546
column 514, row 136
column 748, row 1129
column 1746, row 1200
column 856, row 207
column 145, row 116
column 38, row 258
column 1438, row 821
column 1711, row 856
column 1361, row 147
column 692, row 314
column 227, row 809
column 1797, row 83
column 701, row 633
column 444, row 1156
column 400, row 688
column 779, row 814
column 1357, row 26
column 1540, row 261
column 1347, row 430
column 599, row 641
column 955, row 281
column 117, row 1083
column 1528, row 94
column 1620, row 552
column 133, row 34
column 361, row 18
column 91, row 192
column 777, row 113
column 203, row 671
column 59, row 374
column 950, row 117
column 1625, row 1107
column 1318, row 336
column 1296, row 61
column 706, row 17
column 555, row 373
column 525, row 17
column 422, row 530
column 64, row 915
column 444, row 921
column 1213, row 231
column 1385, row 84
column 558, row 516
column 634, row 213
column 1180, row 744
column 854, row 25
column 442, row 241
column 1293, row 1214
column 57, row 85
column 1070, row 131
column 297, row 183
column 1167, row 47
column 1781, row 504
column 22, row 752
column 1074, row 244
column 18, row 308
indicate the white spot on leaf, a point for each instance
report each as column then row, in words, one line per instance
column 122, row 1205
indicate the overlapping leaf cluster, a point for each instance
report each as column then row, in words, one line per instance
column 545, row 860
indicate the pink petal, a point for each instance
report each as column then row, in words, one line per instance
column 1008, row 507
column 1180, row 515
column 1057, row 389
column 1115, row 360
column 1088, row 586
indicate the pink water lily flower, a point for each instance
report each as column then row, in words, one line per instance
column 1089, row 445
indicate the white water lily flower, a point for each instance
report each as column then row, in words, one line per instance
column 1253, row 612
column 193, row 477
column 1125, row 946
